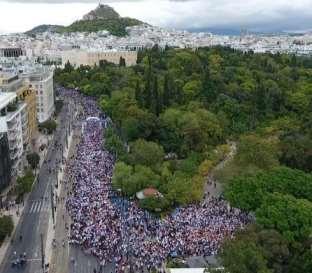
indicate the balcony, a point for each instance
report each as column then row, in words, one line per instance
column 14, row 154
column 13, row 144
column 12, row 125
column 13, row 135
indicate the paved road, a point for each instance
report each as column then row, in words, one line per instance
column 35, row 218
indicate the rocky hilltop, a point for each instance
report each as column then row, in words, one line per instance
column 102, row 12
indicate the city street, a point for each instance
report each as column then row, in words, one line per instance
column 37, row 212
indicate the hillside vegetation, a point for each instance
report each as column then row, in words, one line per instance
column 116, row 26
column 44, row 28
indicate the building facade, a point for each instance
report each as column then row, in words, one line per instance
column 11, row 52
column 11, row 82
column 82, row 57
column 14, row 122
column 5, row 161
column 42, row 82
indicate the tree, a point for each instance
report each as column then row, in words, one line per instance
column 138, row 94
column 49, row 126
column 296, row 150
column 290, row 216
column 6, row 227
column 141, row 178
column 243, row 256
column 199, row 128
column 33, row 160
column 122, row 176
column 258, row 151
column 169, row 134
column 249, row 191
column 157, row 97
column 154, row 204
column 146, row 153
column 192, row 89
column 269, row 248
column 167, row 92
column 24, row 184
column 122, row 62
column 178, row 189
column 133, row 179
column 301, row 261
column 114, row 144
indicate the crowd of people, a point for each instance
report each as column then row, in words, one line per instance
column 116, row 230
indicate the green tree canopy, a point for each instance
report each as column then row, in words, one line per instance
column 290, row 216
column 146, row 153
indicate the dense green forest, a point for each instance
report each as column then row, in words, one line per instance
column 174, row 113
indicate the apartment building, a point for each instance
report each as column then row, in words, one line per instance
column 14, row 123
column 11, row 82
column 5, row 161
column 41, row 79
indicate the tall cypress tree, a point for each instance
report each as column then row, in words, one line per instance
column 148, row 96
column 157, row 100
column 167, row 91
column 138, row 93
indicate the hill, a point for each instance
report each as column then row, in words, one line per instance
column 103, row 17
column 43, row 28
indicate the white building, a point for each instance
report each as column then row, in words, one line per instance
column 14, row 122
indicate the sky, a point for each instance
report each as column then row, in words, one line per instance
column 254, row 15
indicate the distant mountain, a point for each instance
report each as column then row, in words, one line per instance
column 102, row 18
column 43, row 28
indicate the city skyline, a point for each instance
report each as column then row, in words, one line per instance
column 258, row 16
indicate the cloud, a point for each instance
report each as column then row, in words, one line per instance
column 69, row 1
column 259, row 15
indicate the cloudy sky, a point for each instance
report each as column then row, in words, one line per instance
column 256, row 15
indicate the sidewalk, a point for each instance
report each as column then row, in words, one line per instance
column 16, row 211
column 213, row 188
column 59, row 256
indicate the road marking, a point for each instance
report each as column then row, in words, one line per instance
column 37, row 206
column 32, row 207
column 33, row 260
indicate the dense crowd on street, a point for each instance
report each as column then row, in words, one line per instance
column 116, row 230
